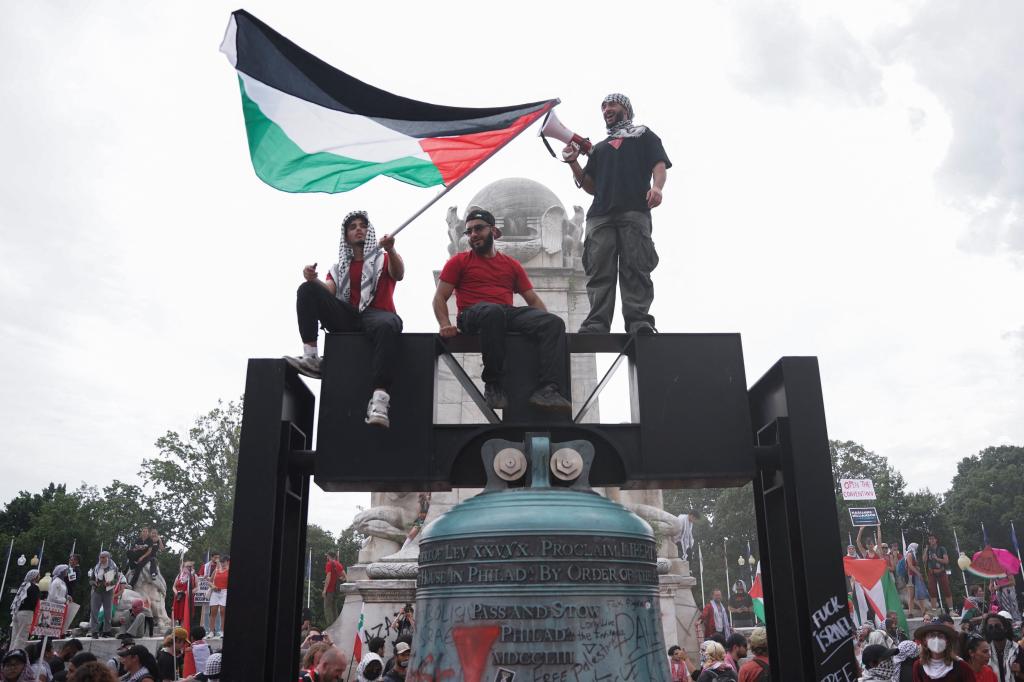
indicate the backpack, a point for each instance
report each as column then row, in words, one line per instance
column 901, row 568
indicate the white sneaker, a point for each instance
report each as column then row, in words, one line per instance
column 307, row 365
column 377, row 410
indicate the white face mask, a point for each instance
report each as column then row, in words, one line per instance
column 936, row 644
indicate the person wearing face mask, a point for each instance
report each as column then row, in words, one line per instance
column 938, row 660
column 1004, row 652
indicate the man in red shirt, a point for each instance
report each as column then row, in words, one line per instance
column 756, row 669
column 357, row 295
column 484, row 281
column 334, row 576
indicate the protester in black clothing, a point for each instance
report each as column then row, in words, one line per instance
column 137, row 554
column 76, row 662
column 741, row 606
column 155, row 545
column 618, row 237
column 401, row 663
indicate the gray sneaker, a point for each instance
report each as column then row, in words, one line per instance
column 548, row 398
column 377, row 410
column 306, row 365
column 495, row 396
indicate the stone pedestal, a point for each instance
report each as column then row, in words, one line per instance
column 378, row 601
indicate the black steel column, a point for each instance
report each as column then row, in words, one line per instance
column 269, row 539
column 805, row 595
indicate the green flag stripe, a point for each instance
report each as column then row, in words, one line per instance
column 282, row 164
column 892, row 601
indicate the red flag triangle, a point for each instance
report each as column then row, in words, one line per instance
column 756, row 591
column 474, row 645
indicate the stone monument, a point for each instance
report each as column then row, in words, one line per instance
column 547, row 240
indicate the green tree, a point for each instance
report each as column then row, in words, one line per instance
column 987, row 489
column 852, row 460
column 193, row 480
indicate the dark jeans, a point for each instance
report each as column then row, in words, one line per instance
column 619, row 245
column 315, row 304
column 491, row 321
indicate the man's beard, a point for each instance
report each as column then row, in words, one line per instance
column 486, row 247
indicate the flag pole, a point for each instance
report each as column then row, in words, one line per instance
column 958, row 552
column 42, row 547
column 309, row 577
column 1013, row 534
column 7, row 565
column 728, row 589
column 700, row 561
column 452, row 186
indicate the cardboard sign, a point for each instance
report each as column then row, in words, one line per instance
column 48, row 620
column 201, row 595
column 864, row 516
column 857, row 488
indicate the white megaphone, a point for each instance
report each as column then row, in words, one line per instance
column 553, row 128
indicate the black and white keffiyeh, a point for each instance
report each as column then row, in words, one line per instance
column 30, row 578
column 623, row 128
column 373, row 263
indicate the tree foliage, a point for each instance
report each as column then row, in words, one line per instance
column 987, row 489
column 193, row 479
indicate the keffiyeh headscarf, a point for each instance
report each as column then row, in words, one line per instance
column 373, row 263
column 360, row 677
column 908, row 649
column 30, row 578
column 623, row 128
column 61, row 572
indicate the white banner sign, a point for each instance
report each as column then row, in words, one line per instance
column 857, row 488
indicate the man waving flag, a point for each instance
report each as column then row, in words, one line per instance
column 313, row 128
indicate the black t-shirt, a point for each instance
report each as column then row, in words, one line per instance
column 937, row 552
column 742, row 601
column 621, row 169
column 31, row 598
column 138, row 550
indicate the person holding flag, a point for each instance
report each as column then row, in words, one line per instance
column 356, row 295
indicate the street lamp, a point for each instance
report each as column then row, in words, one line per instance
column 35, row 560
column 752, row 561
column 963, row 561
column 21, row 560
column 741, row 561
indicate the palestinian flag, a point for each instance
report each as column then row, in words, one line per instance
column 757, row 595
column 313, row 128
column 873, row 591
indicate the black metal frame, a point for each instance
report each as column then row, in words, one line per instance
column 698, row 426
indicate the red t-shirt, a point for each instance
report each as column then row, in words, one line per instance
column 383, row 298
column 220, row 579
column 333, row 570
column 484, row 280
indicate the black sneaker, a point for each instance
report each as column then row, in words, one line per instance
column 495, row 396
column 644, row 329
column 548, row 398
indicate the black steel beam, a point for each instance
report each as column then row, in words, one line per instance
column 798, row 528
column 268, row 526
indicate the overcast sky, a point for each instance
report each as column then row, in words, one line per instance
column 848, row 184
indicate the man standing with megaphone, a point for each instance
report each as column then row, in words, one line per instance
column 618, row 238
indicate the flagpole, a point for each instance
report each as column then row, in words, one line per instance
column 1016, row 546
column 958, row 553
column 452, row 186
column 728, row 589
column 700, row 561
column 41, row 549
column 309, row 577
column 7, row 565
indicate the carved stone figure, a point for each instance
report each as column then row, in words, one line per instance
column 155, row 590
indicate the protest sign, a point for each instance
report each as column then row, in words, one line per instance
column 204, row 586
column 857, row 488
column 48, row 620
column 864, row 516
